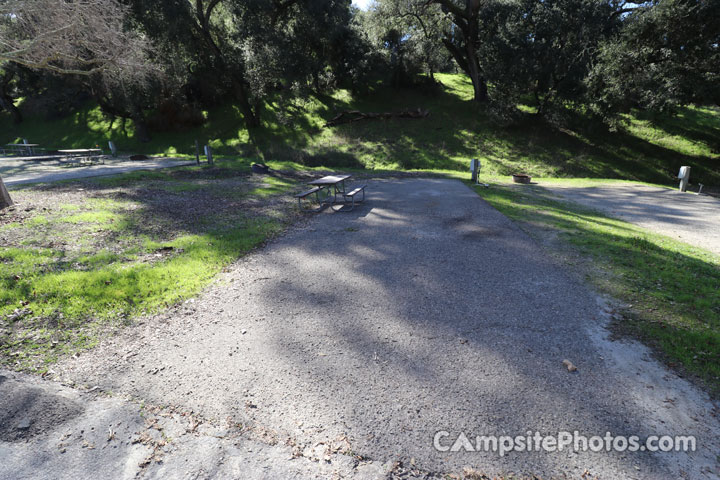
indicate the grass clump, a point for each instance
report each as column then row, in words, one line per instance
column 272, row 186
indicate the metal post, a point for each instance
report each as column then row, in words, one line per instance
column 684, row 177
column 197, row 152
column 208, row 154
column 475, row 169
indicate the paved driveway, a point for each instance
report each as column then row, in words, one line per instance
column 16, row 171
column 690, row 218
column 425, row 310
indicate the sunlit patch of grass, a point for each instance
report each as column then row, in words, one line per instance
column 38, row 220
column 131, row 177
column 686, row 133
column 672, row 287
column 99, row 216
column 272, row 186
column 70, row 207
column 181, row 187
column 104, row 257
column 9, row 226
column 107, row 265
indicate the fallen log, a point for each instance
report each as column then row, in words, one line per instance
column 349, row 116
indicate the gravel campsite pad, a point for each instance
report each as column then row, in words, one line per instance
column 425, row 310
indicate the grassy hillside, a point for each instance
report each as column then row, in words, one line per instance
column 648, row 149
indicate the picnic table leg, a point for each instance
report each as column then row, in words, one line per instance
column 339, row 190
column 327, row 195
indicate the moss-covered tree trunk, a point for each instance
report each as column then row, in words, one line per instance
column 5, row 200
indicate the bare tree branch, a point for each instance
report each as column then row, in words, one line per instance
column 77, row 37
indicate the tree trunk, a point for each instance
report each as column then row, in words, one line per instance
column 251, row 118
column 141, row 129
column 7, row 104
column 467, row 21
column 5, row 200
column 478, row 81
column 238, row 82
column 316, row 81
column 473, row 64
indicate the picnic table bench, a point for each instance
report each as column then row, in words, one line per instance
column 333, row 186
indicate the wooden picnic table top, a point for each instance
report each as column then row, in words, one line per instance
column 81, row 150
column 330, row 180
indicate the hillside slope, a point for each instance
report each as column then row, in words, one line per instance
column 456, row 130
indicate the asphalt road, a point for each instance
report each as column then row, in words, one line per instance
column 18, row 171
column 687, row 217
column 424, row 310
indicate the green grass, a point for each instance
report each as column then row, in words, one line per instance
column 85, row 293
column 272, row 186
column 132, row 177
column 650, row 149
column 38, row 221
column 672, row 287
column 113, row 285
column 100, row 216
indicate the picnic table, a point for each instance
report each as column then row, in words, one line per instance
column 332, row 186
column 29, row 148
column 76, row 156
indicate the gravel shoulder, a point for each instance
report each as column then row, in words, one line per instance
column 424, row 310
column 688, row 217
